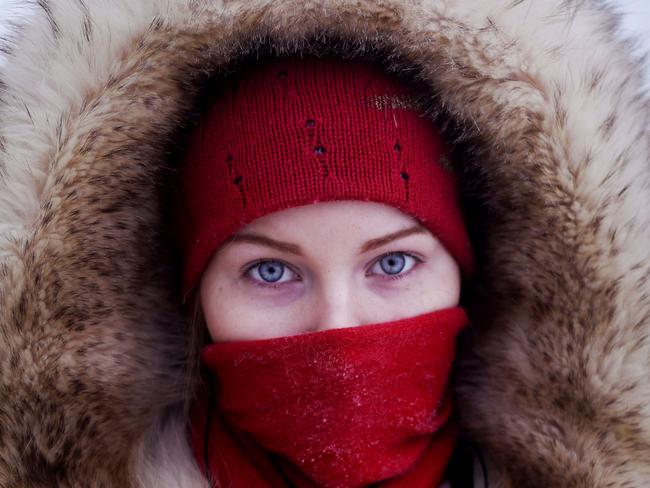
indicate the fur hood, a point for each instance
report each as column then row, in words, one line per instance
column 550, row 123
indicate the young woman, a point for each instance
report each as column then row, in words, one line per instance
column 543, row 108
column 325, row 246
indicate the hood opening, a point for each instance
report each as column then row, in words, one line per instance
column 463, row 141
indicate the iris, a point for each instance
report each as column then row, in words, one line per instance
column 271, row 271
column 392, row 263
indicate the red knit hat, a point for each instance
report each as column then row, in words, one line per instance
column 296, row 131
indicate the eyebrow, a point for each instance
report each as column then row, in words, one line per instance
column 380, row 241
column 296, row 249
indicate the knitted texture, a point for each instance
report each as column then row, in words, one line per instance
column 297, row 131
column 314, row 407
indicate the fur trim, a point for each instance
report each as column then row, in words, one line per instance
column 552, row 120
column 165, row 459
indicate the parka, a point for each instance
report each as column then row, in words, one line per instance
column 543, row 103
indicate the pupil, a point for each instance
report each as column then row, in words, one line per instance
column 392, row 264
column 271, row 271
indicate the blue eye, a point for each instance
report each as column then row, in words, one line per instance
column 393, row 263
column 270, row 272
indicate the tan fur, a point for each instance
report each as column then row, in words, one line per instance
column 552, row 379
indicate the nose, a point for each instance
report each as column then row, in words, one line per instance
column 336, row 307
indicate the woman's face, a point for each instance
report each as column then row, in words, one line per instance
column 323, row 266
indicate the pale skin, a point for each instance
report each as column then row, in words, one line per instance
column 324, row 266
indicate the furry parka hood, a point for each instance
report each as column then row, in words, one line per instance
column 548, row 119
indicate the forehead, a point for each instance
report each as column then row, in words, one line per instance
column 337, row 218
column 326, row 232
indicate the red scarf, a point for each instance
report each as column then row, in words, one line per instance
column 346, row 407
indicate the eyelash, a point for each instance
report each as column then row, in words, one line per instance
column 262, row 284
column 275, row 286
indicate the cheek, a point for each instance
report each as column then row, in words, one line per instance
column 441, row 287
column 218, row 317
column 430, row 288
column 235, row 312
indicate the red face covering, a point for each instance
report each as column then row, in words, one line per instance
column 346, row 407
